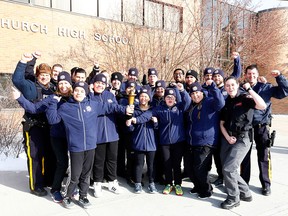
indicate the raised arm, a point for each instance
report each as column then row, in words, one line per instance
column 259, row 102
column 237, row 69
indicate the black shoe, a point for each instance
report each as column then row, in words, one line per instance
column 204, row 195
column 245, row 199
column 229, row 204
column 67, row 202
column 39, row 192
column 193, row 191
column 84, row 202
column 266, row 191
column 130, row 182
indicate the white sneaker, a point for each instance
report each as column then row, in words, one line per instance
column 97, row 189
column 114, row 187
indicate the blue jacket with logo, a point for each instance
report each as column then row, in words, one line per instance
column 170, row 120
column 106, row 128
column 267, row 91
column 203, row 119
column 143, row 135
column 80, row 120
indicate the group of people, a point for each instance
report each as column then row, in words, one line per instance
column 101, row 127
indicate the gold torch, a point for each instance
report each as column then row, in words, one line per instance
column 131, row 96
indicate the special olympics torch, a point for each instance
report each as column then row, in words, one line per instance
column 131, row 96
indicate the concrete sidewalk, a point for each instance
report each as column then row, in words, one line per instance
column 16, row 199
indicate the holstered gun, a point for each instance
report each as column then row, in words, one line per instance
column 271, row 139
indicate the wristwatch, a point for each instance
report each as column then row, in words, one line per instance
column 248, row 89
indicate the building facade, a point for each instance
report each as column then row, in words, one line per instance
column 119, row 34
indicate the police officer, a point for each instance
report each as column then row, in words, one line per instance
column 236, row 121
column 261, row 124
column 36, row 129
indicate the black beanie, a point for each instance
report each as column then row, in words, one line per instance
column 117, row 76
column 64, row 75
column 83, row 85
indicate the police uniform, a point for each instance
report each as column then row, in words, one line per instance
column 40, row 157
column 237, row 115
column 261, row 128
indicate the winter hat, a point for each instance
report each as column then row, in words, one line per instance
column 147, row 90
column 130, row 84
column 160, row 83
column 64, row 75
column 220, row 72
column 192, row 73
column 43, row 68
column 152, row 71
column 83, row 85
column 170, row 91
column 99, row 78
column 195, row 87
column 209, row 70
column 133, row 72
column 117, row 76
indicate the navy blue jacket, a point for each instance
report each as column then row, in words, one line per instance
column 203, row 119
column 267, row 91
column 143, row 137
column 56, row 130
column 80, row 120
column 170, row 120
column 27, row 87
column 106, row 128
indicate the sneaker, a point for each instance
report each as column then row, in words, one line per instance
column 138, row 188
column 84, row 202
column 97, row 189
column 245, row 198
column 152, row 189
column 229, row 204
column 193, row 191
column 67, row 202
column 218, row 182
column 204, row 195
column 178, row 190
column 167, row 189
column 39, row 192
column 114, row 187
column 57, row 196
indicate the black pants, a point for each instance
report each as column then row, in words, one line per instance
column 105, row 161
column 81, row 166
column 60, row 149
column 217, row 160
column 41, row 161
column 139, row 163
column 199, row 163
column 125, row 159
column 172, row 157
column 261, row 138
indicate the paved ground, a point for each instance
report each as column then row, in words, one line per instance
column 16, row 200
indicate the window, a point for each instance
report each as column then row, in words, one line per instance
column 45, row 3
column 207, row 13
column 153, row 14
column 171, row 18
column 133, row 11
column 110, row 9
column 24, row 1
column 62, row 5
column 88, row 7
